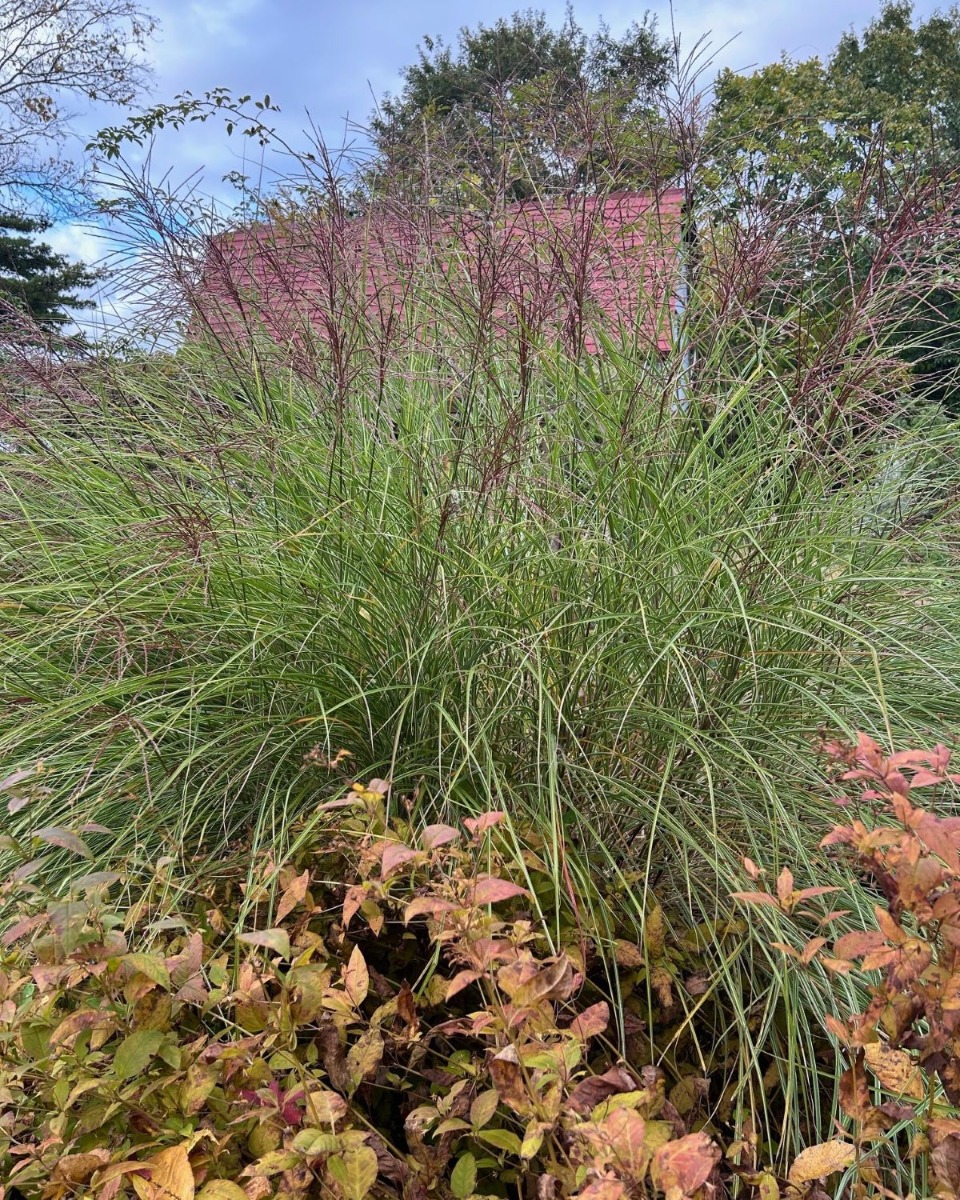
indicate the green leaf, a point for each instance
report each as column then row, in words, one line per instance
column 312, row 1142
column 151, row 965
column 483, row 1108
column 463, row 1177
column 355, row 1173
column 135, row 1052
column 503, row 1139
column 221, row 1189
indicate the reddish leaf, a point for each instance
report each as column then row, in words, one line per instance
column 487, row 820
column 785, row 885
column 490, row 890
column 607, row 1187
column 858, row 943
column 461, row 980
column 351, row 902
column 426, row 906
column 438, row 835
column 591, row 1022
column 56, row 835
column 396, row 855
column 755, row 898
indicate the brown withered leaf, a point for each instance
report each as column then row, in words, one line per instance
column 546, row 983
column 332, row 1055
column 407, row 1008
column 854, row 1093
column 594, row 1089
column 945, row 1161
column 77, row 1022
column 507, row 1077
column 628, row 955
column 662, row 983
column 78, row 1168
column 354, row 897
column 546, row 1187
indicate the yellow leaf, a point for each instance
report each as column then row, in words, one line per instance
column 895, row 1069
column 364, row 1057
column 356, row 978
column 816, row 1162
column 222, row 1189
column 171, row 1176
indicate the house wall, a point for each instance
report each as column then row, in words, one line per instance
column 562, row 269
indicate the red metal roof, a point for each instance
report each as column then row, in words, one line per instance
column 565, row 268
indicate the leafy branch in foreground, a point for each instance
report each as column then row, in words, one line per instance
column 901, row 1084
column 398, row 1021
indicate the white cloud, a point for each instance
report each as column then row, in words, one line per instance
column 78, row 242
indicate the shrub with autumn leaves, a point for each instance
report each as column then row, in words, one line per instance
column 400, row 1021
column 900, row 1085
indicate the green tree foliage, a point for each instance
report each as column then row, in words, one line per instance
column 517, row 106
column 841, row 142
column 34, row 280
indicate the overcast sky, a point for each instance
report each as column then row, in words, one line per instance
column 330, row 58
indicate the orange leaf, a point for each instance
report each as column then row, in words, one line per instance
column 685, row 1164
column 858, row 943
column 293, row 895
